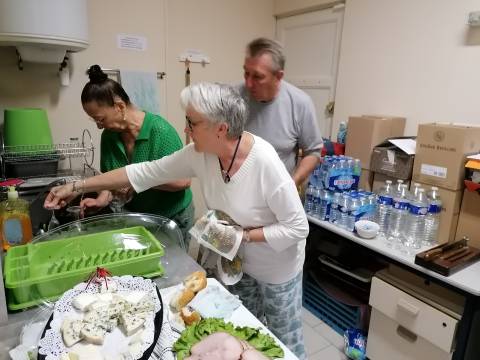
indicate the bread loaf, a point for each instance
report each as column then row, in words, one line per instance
column 181, row 298
column 189, row 316
column 196, row 281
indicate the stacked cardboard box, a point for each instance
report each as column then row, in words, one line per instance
column 439, row 161
column 364, row 133
column 391, row 162
column 470, row 212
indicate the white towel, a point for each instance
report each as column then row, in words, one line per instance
column 142, row 88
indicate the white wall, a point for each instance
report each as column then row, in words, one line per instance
column 220, row 28
column 413, row 58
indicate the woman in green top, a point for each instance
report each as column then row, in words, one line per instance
column 131, row 136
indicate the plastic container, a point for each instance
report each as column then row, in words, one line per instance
column 384, row 207
column 45, row 270
column 398, row 216
column 15, row 223
column 26, row 127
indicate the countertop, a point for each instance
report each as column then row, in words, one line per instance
column 177, row 265
column 466, row 279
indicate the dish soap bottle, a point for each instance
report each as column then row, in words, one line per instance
column 15, row 223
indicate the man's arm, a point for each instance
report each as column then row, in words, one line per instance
column 304, row 168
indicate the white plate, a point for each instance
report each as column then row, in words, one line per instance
column 116, row 343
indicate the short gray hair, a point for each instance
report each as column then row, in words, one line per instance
column 218, row 103
column 261, row 46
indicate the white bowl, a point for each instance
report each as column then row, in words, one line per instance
column 367, row 229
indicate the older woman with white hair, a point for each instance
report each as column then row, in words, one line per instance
column 241, row 175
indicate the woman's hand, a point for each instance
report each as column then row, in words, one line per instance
column 59, row 196
column 91, row 205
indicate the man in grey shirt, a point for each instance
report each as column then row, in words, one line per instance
column 279, row 112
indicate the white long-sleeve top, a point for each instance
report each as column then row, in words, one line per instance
column 260, row 194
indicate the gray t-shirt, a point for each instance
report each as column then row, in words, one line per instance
column 288, row 122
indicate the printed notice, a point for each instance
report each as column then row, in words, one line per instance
column 433, row 170
column 131, row 42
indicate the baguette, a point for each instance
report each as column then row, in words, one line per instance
column 181, row 298
column 189, row 316
column 196, row 281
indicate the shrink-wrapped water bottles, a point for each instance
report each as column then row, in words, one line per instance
column 309, row 200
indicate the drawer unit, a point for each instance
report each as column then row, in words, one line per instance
column 387, row 339
column 400, row 319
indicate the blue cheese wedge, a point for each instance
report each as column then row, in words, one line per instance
column 136, row 296
column 141, row 307
column 132, row 322
column 72, row 331
column 83, row 301
column 93, row 334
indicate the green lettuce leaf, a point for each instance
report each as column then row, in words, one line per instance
column 198, row 331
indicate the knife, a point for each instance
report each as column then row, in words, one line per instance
column 436, row 252
column 454, row 253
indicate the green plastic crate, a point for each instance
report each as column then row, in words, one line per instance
column 45, row 270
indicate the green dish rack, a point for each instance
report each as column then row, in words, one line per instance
column 43, row 271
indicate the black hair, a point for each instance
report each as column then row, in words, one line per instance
column 101, row 89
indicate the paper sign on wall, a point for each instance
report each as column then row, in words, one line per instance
column 131, row 42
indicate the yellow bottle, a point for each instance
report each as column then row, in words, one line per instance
column 15, row 223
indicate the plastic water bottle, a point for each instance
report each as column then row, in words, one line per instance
column 317, row 197
column 398, row 214
column 372, row 207
column 342, row 133
column 334, row 208
column 325, row 203
column 414, row 190
column 398, row 185
column 432, row 220
column 352, row 213
column 415, row 226
column 309, row 200
column 342, row 213
column 384, row 207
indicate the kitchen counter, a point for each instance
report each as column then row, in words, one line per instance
column 466, row 280
column 177, row 265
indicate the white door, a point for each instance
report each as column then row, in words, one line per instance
column 312, row 46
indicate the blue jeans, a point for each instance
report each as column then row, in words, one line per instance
column 278, row 305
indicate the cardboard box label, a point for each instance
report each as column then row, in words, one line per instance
column 432, row 170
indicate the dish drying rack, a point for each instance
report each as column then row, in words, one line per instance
column 78, row 149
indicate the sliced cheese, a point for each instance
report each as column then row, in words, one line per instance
column 82, row 301
column 93, row 334
column 71, row 331
column 134, row 297
column 132, row 322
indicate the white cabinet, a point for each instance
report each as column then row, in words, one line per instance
column 404, row 327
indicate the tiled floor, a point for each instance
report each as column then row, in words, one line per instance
column 321, row 342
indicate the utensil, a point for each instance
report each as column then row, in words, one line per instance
column 53, row 223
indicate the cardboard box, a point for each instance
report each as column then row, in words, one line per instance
column 379, row 181
column 441, row 153
column 366, row 180
column 451, row 201
column 389, row 159
column 366, row 131
column 469, row 218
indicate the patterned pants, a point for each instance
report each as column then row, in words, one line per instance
column 279, row 306
column 184, row 220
